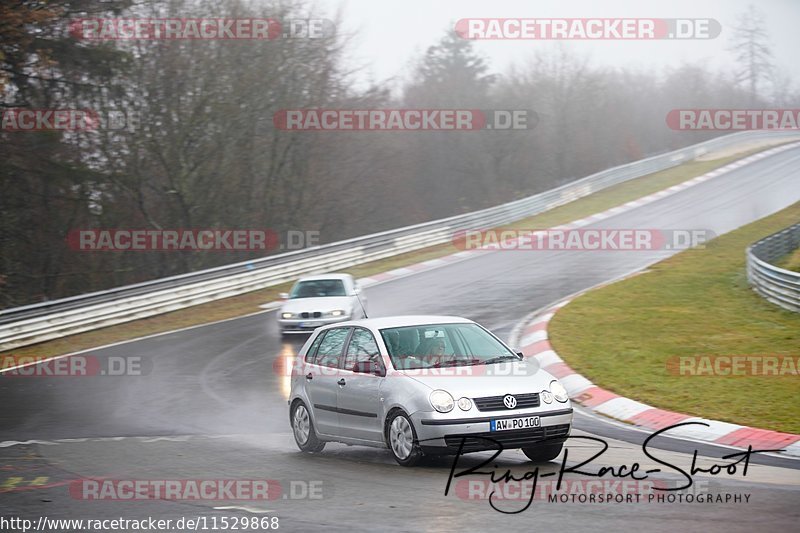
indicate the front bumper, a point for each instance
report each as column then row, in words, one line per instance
column 439, row 434
column 307, row 325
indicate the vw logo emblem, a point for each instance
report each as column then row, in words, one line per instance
column 509, row 401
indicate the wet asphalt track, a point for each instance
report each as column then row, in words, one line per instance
column 211, row 406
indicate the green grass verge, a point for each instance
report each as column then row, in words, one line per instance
column 248, row 303
column 791, row 261
column 695, row 303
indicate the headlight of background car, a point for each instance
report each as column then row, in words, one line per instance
column 558, row 390
column 442, row 401
column 337, row 312
column 286, row 315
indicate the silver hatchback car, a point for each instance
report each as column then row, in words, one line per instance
column 424, row 385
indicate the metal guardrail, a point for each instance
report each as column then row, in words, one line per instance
column 35, row 323
column 778, row 285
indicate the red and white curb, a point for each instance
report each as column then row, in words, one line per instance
column 533, row 341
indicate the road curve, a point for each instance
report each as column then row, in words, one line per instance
column 211, row 405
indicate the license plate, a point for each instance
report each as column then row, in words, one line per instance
column 506, row 424
column 303, row 325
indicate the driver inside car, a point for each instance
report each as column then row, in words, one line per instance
column 435, row 352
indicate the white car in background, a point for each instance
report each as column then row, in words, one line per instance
column 318, row 300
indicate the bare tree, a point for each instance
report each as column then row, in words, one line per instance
column 752, row 50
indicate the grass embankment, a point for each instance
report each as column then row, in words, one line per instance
column 248, row 303
column 791, row 261
column 696, row 303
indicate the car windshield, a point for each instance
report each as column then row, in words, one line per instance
column 317, row 288
column 438, row 345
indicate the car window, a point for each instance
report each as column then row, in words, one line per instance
column 311, row 354
column 443, row 345
column 362, row 347
column 318, row 288
column 331, row 347
column 480, row 344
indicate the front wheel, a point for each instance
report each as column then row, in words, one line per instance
column 543, row 453
column 303, row 429
column 403, row 440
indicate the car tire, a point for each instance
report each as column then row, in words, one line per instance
column 303, row 429
column 543, row 453
column 401, row 439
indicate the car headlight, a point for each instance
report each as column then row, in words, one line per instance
column 337, row 312
column 286, row 315
column 546, row 396
column 558, row 390
column 465, row 404
column 442, row 401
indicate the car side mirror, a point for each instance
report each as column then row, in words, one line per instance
column 521, row 355
column 369, row 367
column 283, row 296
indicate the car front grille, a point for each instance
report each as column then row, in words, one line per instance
column 495, row 403
column 306, row 314
column 519, row 438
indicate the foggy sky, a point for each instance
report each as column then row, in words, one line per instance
column 389, row 34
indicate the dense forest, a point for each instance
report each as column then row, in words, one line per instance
column 197, row 145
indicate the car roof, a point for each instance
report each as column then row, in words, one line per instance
column 333, row 275
column 404, row 320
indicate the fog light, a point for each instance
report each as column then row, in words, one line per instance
column 465, row 404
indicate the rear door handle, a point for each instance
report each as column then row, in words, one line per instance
column 342, row 382
column 309, row 376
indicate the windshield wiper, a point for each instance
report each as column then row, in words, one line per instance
column 455, row 362
column 499, row 358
